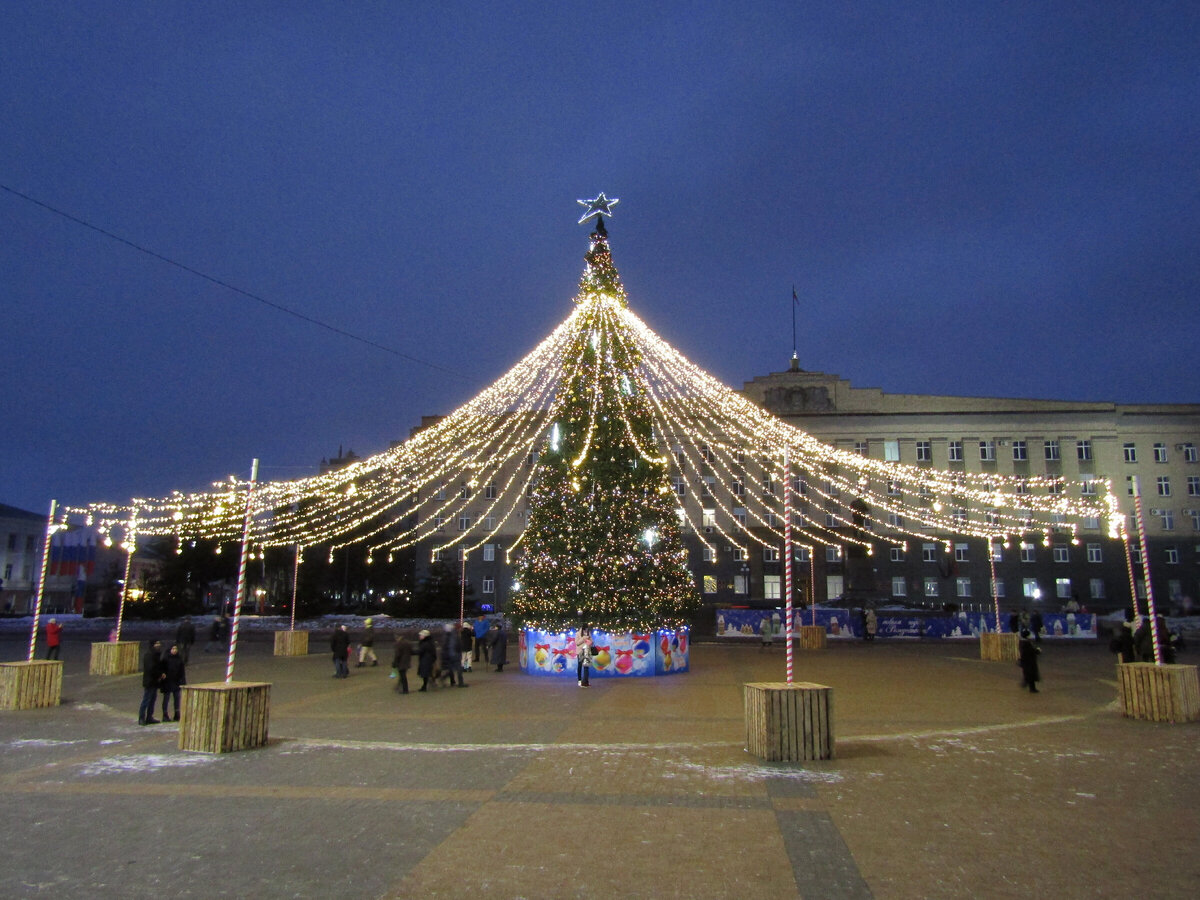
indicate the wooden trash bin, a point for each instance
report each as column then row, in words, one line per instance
column 221, row 717
column 115, row 658
column 1159, row 693
column 812, row 637
column 1000, row 647
column 291, row 643
column 789, row 722
column 30, row 684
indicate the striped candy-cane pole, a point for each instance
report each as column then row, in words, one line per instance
column 812, row 581
column 295, row 583
column 995, row 593
column 130, row 548
column 41, row 588
column 241, row 582
column 1129, row 570
column 1141, row 528
column 787, row 557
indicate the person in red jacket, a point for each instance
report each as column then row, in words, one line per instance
column 53, row 638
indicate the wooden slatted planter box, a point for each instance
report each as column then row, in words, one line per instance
column 812, row 637
column 789, row 722
column 30, row 684
column 115, row 658
column 291, row 643
column 1000, row 647
column 1159, row 693
column 221, row 717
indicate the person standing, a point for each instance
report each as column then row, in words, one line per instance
column 426, row 658
column 872, row 624
column 452, row 654
column 1036, row 625
column 481, row 634
column 498, row 645
column 366, row 649
column 466, row 634
column 1027, row 652
column 185, row 636
column 583, row 658
column 151, row 679
column 340, row 645
column 401, row 661
column 53, row 638
column 764, row 632
column 173, row 678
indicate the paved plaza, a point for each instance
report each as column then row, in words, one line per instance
column 948, row 781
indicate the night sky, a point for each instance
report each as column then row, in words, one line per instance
column 986, row 199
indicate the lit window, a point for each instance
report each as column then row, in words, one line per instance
column 741, row 584
column 1062, row 588
column 891, row 451
column 708, row 519
column 489, row 552
column 771, row 588
column 1096, row 588
column 489, row 585
column 489, row 523
column 710, row 584
column 931, row 587
column 1030, row 589
column 1091, row 522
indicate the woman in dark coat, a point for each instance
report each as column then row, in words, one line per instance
column 1028, row 660
column 498, row 642
column 426, row 658
column 401, row 662
column 174, row 676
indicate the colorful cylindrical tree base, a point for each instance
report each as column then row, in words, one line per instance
column 624, row 654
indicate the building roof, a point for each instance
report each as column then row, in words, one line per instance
column 12, row 512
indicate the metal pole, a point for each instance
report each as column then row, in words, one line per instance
column 295, row 584
column 241, row 582
column 41, row 588
column 1141, row 527
column 812, row 582
column 787, row 550
column 130, row 549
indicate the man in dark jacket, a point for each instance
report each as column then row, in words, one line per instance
column 1028, row 660
column 401, row 662
column 173, row 679
column 151, row 678
column 452, row 654
column 426, row 659
column 185, row 636
column 340, row 644
column 498, row 646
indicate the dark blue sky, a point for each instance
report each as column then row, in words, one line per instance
column 971, row 198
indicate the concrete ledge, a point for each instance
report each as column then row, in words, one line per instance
column 114, row 658
column 1159, row 693
column 789, row 722
column 30, row 684
column 222, row 717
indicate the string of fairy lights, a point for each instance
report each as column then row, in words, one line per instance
column 465, row 480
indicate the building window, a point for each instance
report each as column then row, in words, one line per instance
column 1052, row 453
column 955, row 451
column 998, row 588
column 1022, row 487
column 1160, row 453
column 1030, row 589
column 833, row 554
column 987, row 451
column 770, row 554
column 960, row 553
column 960, row 517
column 929, row 553
column 1193, row 485
column 739, row 513
column 1163, row 483
column 962, row 586
column 1062, row 588
column 891, row 451
column 931, row 587
column 489, row 523
column 899, row 586
column 1171, row 555
column 710, row 584
column 1194, row 514
column 1167, row 517
column 489, row 585
column 771, row 589
column 924, row 451
column 707, row 483
column 464, row 522
column 738, row 487
column 896, row 554
column 1061, row 553
column 1096, row 588
column 438, row 555
column 895, row 520
column 739, row 554
column 893, row 488
column 1189, row 453
column 802, row 554
column 831, row 520
column 489, row 552
column 1020, row 452
column 1130, row 453
column 860, row 447
column 707, row 554
column 1083, row 450
column 1094, row 553
column 705, row 453
column 1028, row 552
column 679, row 483
column 800, row 486
column 741, row 584
column 997, row 552
column 768, row 485
column 1055, row 486
column 708, row 518
column 1091, row 522
column 440, row 524
column 1088, row 487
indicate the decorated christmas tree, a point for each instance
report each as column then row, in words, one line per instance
column 603, row 546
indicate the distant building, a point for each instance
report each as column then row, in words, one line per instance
column 21, row 536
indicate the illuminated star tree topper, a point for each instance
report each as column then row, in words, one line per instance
column 598, row 206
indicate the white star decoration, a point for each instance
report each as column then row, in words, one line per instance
column 599, row 206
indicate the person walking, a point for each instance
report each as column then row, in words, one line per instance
column 174, row 676
column 498, row 646
column 366, row 649
column 466, row 634
column 1027, row 652
column 426, row 658
column 53, row 638
column 185, row 636
column 340, row 645
column 151, row 678
column 583, row 658
column 401, row 662
column 452, row 654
